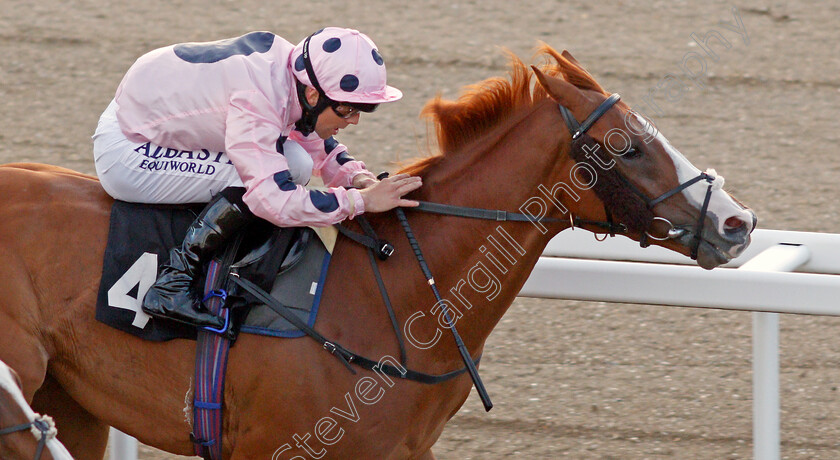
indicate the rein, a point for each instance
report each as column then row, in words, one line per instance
column 46, row 431
column 508, row 216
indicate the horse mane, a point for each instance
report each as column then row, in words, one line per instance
column 482, row 106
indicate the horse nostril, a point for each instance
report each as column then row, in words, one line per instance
column 734, row 225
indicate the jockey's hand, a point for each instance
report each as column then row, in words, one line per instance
column 364, row 180
column 387, row 194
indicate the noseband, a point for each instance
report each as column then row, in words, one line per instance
column 46, row 431
column 579, row 137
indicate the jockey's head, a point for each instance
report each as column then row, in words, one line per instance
column 340, row 69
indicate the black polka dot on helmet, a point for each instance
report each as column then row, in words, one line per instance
column 332, row 45
column 377, row 58
column 349, row 83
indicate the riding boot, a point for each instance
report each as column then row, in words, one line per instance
column 172, row 296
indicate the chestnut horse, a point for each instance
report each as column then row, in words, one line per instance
column 504, row 145
column 24, row 435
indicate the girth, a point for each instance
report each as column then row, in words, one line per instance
column 346, row 356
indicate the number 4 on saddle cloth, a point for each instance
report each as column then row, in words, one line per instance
column 290, row 263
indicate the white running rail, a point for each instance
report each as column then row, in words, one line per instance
column 769, row 278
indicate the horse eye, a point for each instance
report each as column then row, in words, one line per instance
column 631, row 153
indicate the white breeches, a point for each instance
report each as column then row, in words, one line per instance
column 149, row 173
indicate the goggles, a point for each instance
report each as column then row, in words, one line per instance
column 347, row 110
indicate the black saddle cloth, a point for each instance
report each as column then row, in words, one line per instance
column 139, row 240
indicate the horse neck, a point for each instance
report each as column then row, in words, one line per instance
column 480, row 266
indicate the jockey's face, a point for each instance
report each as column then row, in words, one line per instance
column 329, row 122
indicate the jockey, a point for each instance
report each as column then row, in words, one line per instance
column 190, row 120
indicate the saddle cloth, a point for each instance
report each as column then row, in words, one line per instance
column 139, row 239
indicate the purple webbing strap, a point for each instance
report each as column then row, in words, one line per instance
column 210, row 364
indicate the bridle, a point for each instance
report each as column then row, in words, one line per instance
column 578, row 132
column 45, row 431
column 579, row 136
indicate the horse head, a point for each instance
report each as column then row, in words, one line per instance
column 646, row 188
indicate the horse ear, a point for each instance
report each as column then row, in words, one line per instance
column 561, row 91
column 566, row 54
column 575, row 74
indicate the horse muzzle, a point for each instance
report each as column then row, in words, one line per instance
column 718, row 247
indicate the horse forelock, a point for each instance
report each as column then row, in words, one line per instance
column 483, row 106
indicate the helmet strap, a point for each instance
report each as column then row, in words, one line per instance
column 307, row 122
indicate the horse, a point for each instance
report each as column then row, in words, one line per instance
column 24, row 435
column 503, row 144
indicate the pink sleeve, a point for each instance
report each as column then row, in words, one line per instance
column 253, row 127
column 332, row 162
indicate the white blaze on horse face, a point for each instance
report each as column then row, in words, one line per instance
column 9, row 386
column 721, row 205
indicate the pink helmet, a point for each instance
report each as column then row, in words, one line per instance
column 346, row 65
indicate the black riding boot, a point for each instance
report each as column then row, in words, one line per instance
column 172, row 296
